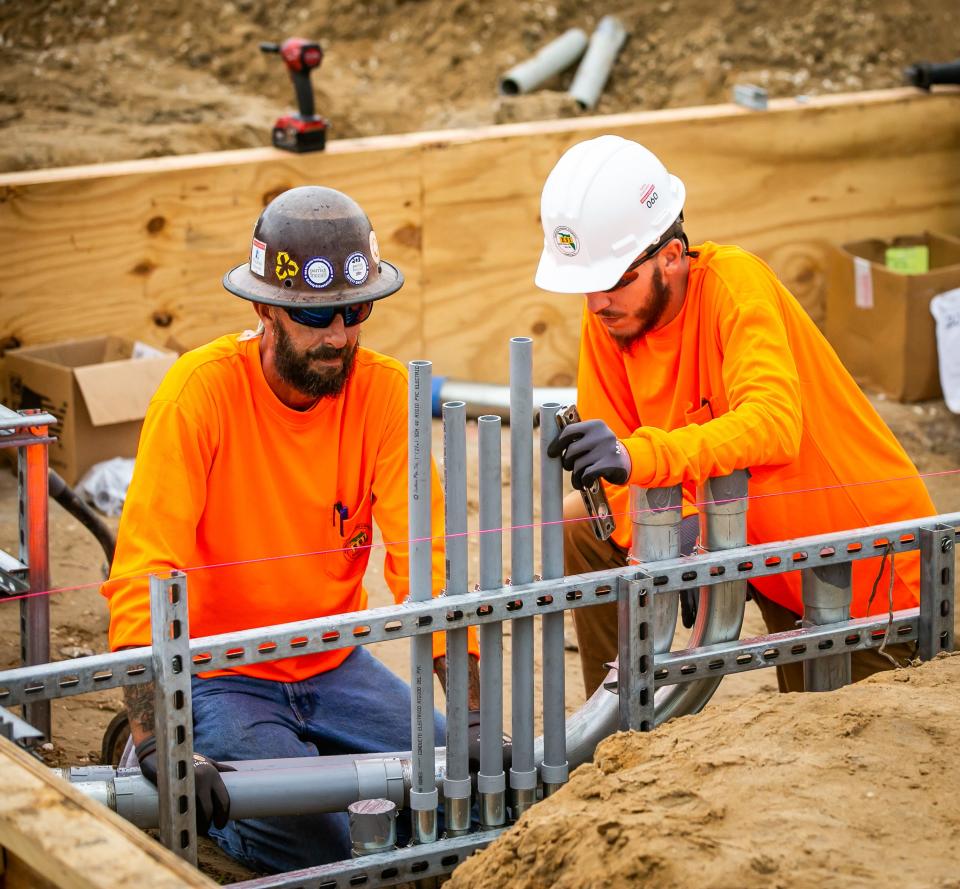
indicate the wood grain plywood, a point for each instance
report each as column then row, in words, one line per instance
column 141, row 252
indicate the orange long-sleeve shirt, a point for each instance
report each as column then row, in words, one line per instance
column 229, row 477
column 742, row 378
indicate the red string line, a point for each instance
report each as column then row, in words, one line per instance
column 468, row 533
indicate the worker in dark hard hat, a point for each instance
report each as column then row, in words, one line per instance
column 264, row 459
column 695, row 362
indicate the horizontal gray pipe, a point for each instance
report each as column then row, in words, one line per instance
column 489, row 399
column 549, row 60
column 323, row 784
column 594, row 69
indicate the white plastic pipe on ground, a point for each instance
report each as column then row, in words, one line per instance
column 549, row 60
column 591, row 76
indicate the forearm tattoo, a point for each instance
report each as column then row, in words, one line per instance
column 139, row 701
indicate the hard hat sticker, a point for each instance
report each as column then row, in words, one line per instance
column 318, row 272
column 258, row 257
column 374, row 247
column 286, row 267
column 356, row 268
column 567, row 242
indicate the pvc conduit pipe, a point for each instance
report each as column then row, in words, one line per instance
column 423, row 792
column 259, row 794
column 548, row 60
column 492, row 400
column 553, row 770
column 456, row 784
column 594, row 68
column 491, row 779
column 523, row 770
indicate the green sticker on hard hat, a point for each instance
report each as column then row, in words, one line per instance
column 567, row 242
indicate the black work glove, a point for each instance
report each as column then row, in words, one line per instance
column 590, row 451
column 689, row 601
column 213, row 801
column 473, row 743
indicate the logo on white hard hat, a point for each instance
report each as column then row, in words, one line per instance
column 566, row 240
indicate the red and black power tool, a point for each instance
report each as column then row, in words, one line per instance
column 303, row 131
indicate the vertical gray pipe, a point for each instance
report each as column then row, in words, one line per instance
column 656, row 514
column 827, row 592
column 554, row 769
column 423, row 793
column 523, row 772
column 491, row 780
column 456, row 782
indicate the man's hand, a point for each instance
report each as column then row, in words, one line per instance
column 473, row 678
column 213, row 801
column 590, row 450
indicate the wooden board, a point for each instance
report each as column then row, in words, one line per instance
column 129, row 247
column 50, row 828
column 140, row 251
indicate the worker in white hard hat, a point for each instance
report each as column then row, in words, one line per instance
column 695, row 362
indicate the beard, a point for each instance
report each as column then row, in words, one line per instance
column 295, row 370
column 647, row 318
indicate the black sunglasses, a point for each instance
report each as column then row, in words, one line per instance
column 627, row 277
column 322, row 316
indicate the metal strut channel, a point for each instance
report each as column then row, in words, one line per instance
column 132, row 666
column 174, row 715
column 385, row 869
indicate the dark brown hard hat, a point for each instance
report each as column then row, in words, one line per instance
column 313, row 246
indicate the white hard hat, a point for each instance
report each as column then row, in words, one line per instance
column 605, row 202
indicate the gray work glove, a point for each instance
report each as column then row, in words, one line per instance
column 590, row 451
column 213, row 801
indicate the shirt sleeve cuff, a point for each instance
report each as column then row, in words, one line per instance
column 643, row 460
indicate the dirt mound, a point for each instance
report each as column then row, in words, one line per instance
column 852, row 788
column 87, row 80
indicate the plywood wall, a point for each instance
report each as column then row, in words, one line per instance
column 138, row 248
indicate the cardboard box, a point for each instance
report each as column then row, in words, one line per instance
column 879, row 320
column 97, row 391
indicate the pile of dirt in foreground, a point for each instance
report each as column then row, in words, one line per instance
column 852, row 788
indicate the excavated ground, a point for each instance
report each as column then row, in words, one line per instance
column 84, row 81
column 848, row 789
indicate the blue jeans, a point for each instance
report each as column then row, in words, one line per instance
column 361, row 707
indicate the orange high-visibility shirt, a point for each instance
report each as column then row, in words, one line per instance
column 742, row 379
column 246, row 495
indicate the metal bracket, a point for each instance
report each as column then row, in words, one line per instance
column 173, row 714
column 14, row 575
column 635, row 670
column 937, row 590
column 13, row 728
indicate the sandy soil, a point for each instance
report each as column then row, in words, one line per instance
column 852, row 788
column 127, row 78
